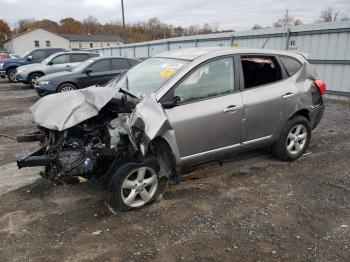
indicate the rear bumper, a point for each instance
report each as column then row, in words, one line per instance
column 316, row 115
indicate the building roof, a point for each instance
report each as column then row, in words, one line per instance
column 31, row 30
column 75, row 37
column 92, row 38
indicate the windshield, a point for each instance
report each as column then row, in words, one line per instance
column 80, row 67
column 148, row 76
column 26, row 54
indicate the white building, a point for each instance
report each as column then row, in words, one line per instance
column 44, row 38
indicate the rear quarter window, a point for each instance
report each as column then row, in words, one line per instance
column 291, row 65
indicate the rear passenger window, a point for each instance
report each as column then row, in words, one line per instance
column 79, row 57
column 291, row 65
column 260, row 70
column 118, row 64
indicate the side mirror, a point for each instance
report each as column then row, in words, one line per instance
column 88, row 71
column 29, row 58
column 50, row 63
column 170, row 104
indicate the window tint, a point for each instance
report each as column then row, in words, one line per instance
column 61, row 59
column 118, row 64
column 101, row 66
column 39, row 55
column 291, row 65
column 79, row 57
column 260, row 70
column 211, row 79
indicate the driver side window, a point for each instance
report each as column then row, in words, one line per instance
column 212, row 79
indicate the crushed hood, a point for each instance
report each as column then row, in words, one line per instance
column 64, row 110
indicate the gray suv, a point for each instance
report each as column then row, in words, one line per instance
column 62, row 61
column 175, row 111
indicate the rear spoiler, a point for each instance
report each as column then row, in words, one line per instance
column 305, row 55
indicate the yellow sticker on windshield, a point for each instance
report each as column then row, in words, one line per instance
column 167, row 72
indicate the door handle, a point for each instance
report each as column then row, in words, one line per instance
column 285, row 96
column 232, row 109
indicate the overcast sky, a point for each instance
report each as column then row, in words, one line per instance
column 227, row 14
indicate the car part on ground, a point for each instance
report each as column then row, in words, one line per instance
column 143, row 128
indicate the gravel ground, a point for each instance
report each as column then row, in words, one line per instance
column 253, row 208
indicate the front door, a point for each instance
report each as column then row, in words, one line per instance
column 59, row 63
column 207, row 120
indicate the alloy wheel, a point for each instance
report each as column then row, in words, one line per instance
column 139, row 187
column 66, row 88
column 296, row 139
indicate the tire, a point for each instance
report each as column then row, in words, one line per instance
column 66, row 87
column 11, row 75
column 134, row 194
column 32, row 79
column 294, row 139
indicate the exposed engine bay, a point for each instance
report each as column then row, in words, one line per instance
column 88, row 148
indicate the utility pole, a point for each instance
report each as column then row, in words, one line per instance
column 284, row 27
column 123, row 21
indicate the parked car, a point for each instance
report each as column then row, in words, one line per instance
column 94, row 71
column 8, row 67
column 14, row 56
column 61, row 61
column 175, row 111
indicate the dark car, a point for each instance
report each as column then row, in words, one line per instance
column 94, row 71
column 8, row 67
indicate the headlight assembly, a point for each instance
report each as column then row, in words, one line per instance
column 43, row 83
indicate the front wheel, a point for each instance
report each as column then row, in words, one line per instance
column 11, row 75
column 133, row 185
column 294, row 140
column 33, row 78
column 66, row 87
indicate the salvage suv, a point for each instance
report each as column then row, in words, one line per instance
column 61, row 61
column 175, row 111
column 8, row 67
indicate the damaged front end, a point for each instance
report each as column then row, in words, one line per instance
column 113, row 130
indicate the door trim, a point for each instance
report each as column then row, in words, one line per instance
column 226, row 148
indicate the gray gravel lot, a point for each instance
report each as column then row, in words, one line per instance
column 253, row 208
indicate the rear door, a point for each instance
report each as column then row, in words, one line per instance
column 207, row 120
column 262, row 92
column 59, row 63
column 101, row 73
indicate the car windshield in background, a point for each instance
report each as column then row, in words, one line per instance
column 149, row 75
column 82, row 66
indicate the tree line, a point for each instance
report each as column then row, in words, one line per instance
column 152, row 29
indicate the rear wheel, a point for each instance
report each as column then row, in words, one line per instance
column 66, row 87
column 134, row 185
column 11, row 75
column 33, row 78
column 294, row 140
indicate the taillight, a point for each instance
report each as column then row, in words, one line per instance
column 321, row 85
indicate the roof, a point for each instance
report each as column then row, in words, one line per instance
column 194, row 53
column 92, row 38
column 31, row 30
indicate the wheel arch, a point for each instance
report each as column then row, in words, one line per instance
column 302, row 112
column 67, row 82
column 11, row 67
column 161, row 148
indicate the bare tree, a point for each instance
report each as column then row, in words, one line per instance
column 256, row 27
column 332, row 15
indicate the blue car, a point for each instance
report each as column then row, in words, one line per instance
column 8, row 67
